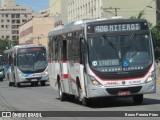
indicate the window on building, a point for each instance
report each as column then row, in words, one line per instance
column 7, row 36
column 17, row 15
column 13, row 16
column 8, row 21
column 13, row 21
column 2, row 15
column 14, row 37
column 2, row 26
column 7, row 15
column 18, row 21
column 7, row 26
column 2, row 21
column 24, row 21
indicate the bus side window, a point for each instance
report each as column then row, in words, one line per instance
column 14, row 60
column 64, row 50
column 10, row 60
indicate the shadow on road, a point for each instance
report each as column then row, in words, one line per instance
column 25, row 85
column 115, row 102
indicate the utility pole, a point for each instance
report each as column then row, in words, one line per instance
column 111, row 9
column 157, row 11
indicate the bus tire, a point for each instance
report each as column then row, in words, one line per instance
column 17, row 84
column 10, row 83
column 62, row 96
column 138, row 99
column 36, row 83
column 86, row 101
column 43, row 83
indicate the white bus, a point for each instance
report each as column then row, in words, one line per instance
column 26, row 64
column 103, row 58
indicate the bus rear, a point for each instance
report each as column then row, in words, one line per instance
column 120, row 59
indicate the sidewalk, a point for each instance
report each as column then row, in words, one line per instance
column 158, row 73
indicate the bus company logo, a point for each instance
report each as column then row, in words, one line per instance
column 6, row 114
column 112, row 83
column 123, row 82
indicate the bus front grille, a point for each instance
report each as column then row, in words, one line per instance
column 132, row 90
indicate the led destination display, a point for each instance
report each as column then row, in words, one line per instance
column 117, row 27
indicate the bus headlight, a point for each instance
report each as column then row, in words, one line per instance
column 94, row 81
column 46, row 72
column 150, row 78
column 20, row 75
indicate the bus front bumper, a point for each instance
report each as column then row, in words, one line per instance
column 33, row 79
column 95, row 91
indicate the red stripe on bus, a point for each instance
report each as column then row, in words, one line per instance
column 65, row 76
column 64, row 61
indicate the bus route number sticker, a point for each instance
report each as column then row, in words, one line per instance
column 94, row 63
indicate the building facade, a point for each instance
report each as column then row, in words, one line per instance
column 36, row 31
column 45, row 12
column 8, row 2
column 83, row 9
column 11, row 17
column 58, row 10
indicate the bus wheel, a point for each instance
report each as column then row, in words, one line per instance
column 43, row 83
column 62, row 96
column 17, row 84
column 138, row 99
column 10, row 83
column 86, row 101
column 36, row 83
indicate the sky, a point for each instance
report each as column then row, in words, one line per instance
column 36, row 5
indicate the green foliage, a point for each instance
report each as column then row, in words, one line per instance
column 139, row 16
column 156, row 37
column 6, row 43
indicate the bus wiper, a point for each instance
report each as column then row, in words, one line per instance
column 131, row 40
column 27, row 57
column 111, row 44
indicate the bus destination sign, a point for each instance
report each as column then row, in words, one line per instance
column 117, row 27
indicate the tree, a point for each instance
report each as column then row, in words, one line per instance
column 139, row 16
column 6, row 43
column 156, row 37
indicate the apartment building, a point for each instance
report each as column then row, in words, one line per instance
column 35, row 31
column 82, row 9
column 45, row 12
column 58, row 10
column 11, row 17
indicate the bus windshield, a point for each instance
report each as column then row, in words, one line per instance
column 120, row 53
column 32, row 59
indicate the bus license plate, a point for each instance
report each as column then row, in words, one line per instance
column 34, row 79
column 124, row 93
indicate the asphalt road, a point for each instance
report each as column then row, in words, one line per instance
column 27, row 98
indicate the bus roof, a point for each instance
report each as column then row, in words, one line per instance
column 80, row 24
column 22, row 46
